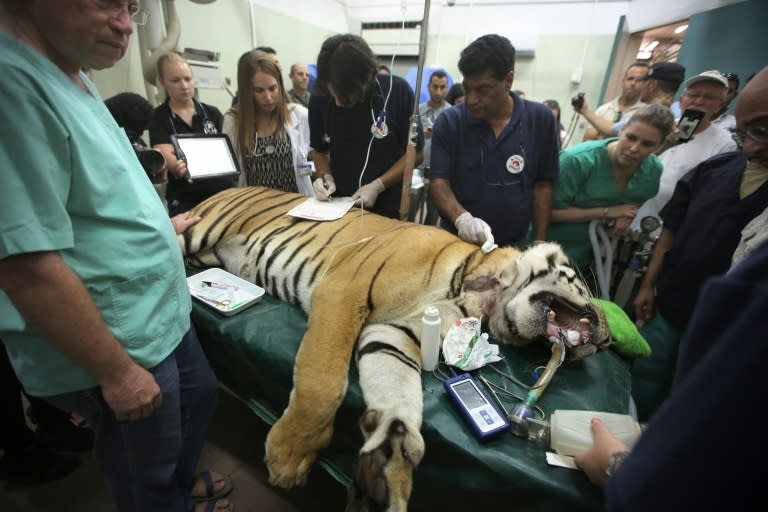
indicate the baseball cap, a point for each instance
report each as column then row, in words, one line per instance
column 712, row 75
column 666, row 71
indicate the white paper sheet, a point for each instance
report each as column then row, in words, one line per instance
column 314, row 209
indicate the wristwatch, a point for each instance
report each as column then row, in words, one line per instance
column 614, row 461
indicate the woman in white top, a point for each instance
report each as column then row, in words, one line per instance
column 270, row 135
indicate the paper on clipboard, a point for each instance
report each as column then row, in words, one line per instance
column 314, row 209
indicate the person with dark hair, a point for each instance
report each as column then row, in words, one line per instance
column 433, row 107
column 494, row 157
column 623, row 106
column 384, row 69
column 554, row 106
column 359, row 126
column 455, row 94
column 132, row 112
column 659, row 86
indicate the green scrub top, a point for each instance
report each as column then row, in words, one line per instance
column 71, row 183
column 586, row 181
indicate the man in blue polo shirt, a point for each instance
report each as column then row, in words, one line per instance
column 359, row 126
column 495, row 157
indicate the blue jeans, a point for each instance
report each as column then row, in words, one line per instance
column 150, row 464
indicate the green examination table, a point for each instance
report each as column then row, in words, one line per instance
column 253, row 353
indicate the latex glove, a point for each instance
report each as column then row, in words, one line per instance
column 367, row 194
column 473, row 230
column 324, row 186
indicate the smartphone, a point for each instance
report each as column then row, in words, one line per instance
column 688, row 123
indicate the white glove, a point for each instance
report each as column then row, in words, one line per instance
column 472, row 230
column 367, row 194
column 324, row 187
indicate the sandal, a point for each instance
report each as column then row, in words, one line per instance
column 210, row 506
column 211, row 494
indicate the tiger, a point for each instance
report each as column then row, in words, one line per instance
column 364, row 281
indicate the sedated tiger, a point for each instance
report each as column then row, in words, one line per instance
column 364, row 281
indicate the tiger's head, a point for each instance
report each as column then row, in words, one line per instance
column 539, row 296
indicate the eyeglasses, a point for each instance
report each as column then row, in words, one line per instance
column 137, row 14
column 758, row 134
column 705, row 97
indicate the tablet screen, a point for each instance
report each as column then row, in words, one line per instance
column 207, row 156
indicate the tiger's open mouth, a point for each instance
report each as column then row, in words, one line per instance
column 565, row 321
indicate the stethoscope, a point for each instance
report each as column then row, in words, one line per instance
column 209, row 128
column 379, row 127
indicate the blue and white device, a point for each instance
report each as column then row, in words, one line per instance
column 474, row 405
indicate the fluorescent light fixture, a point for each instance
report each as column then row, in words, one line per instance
column 681, row 28
column 644, row 55
column 650, row 46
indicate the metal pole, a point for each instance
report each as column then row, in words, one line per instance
column 410, row 152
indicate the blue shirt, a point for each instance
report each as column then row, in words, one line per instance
column 706, row 216
column 71, row 183
column 493, row 178
column 346, row 133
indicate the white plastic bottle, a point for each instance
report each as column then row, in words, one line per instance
column 430, row 339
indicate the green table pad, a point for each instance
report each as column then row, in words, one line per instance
column 253, row 352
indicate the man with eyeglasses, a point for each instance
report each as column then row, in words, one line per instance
column 94, row 309
column 704, row 92
column 626, row 104
column 702, row 227
column 495, row 156
column 722, row 117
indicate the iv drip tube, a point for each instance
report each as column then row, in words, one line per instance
column 410, row 152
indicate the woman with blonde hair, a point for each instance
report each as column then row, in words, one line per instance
column 270, row 134
column 182, row 113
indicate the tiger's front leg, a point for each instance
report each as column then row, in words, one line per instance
column 319, row 385
column 389, row 362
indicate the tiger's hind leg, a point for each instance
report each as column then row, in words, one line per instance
column 319, row 385
column 389, row 362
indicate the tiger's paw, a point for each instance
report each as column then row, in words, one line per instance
column 291, row 450
column 384, row 473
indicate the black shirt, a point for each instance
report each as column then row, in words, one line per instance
column 346, row 132
column 164, row 124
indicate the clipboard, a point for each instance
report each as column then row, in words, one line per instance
column 207, row 156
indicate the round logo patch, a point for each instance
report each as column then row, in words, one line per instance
column 515, row 164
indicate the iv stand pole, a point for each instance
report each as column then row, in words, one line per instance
column 410, row 152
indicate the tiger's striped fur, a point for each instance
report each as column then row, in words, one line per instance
column 364, row 281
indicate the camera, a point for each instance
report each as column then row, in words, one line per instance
column 578, row 101
column 151, row 160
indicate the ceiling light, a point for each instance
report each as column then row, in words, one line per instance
column 650, row 46
column 681, row 28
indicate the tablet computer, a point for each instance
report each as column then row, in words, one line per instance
column 207, row 156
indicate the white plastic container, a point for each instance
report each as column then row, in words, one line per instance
column 430, row 339
column 571, row 433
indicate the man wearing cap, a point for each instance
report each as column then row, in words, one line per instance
column 722, row 117
column 704, row 92
column 659, row 86
column 703, row 221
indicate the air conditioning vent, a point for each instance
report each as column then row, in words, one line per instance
column 383, row 37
